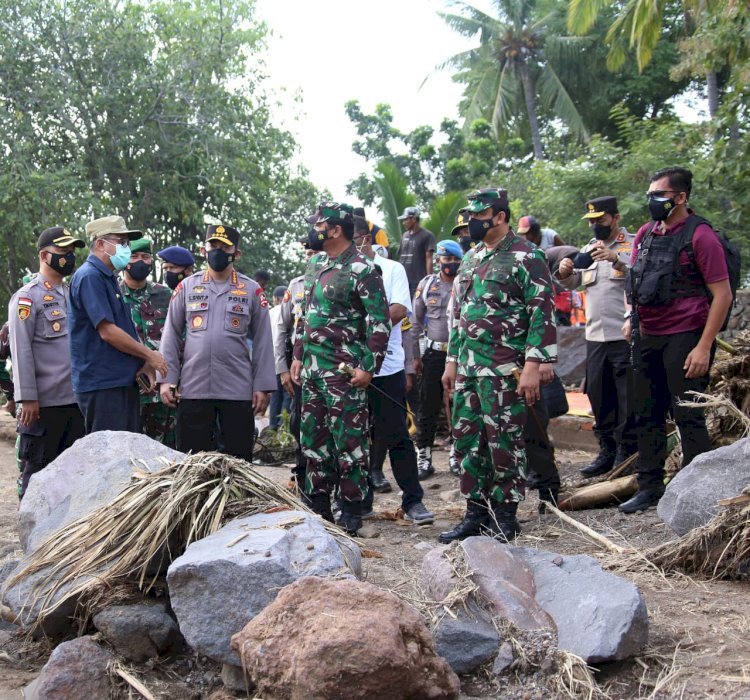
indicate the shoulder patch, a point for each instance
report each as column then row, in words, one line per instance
column 621, row 238
column 287, row 297
column 262, row 296
column 24, row 308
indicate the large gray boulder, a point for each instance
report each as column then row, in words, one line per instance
column 223, row 581
column 467, row 642
column 599, row 616
column 84, row 477
column 692, row 497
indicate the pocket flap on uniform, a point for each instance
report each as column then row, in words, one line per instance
column 54, row 313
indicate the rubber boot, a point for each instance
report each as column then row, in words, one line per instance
column 476, row 516
column 351, row 517
column 502, row 523
column 320, row 503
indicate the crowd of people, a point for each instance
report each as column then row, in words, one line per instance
column 361, row 345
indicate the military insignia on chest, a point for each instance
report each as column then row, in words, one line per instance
column 197, row 321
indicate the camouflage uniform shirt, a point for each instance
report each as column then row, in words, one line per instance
column 346, row 317
column 148, row 308
column 503, row 313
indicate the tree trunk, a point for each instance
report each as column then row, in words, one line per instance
column 712, row 90
column 528, row 93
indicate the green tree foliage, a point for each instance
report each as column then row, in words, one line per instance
column 155, row 111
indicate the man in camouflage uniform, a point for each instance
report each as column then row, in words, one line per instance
column 502, row 321
column 346, row 319
column 149, row 303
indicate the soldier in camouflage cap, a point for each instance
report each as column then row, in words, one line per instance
column 149, row 303
column 502, row 320
column 346, row 319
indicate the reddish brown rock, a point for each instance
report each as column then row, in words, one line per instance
column 504, row 581
column 330, row 639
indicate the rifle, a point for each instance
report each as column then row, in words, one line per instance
column 635, row 327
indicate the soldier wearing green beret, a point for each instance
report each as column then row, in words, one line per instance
column 149, row 303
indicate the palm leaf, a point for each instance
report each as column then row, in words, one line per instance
column 443, row 214
column 393, row 189
column 554, row 94
column 582, row 14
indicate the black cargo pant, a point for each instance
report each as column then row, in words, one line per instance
column 430, row 396
column 202, row 423
column 540, row 452
column 659, row 383
column 608, row 381
column 389, row 435
column 56, row 430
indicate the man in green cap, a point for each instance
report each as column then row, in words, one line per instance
column 503, row 322
column 149, row 303
column 346, row 321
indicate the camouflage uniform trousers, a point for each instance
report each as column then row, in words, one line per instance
column 334, row 436
column 158, row 422
column 488, row 424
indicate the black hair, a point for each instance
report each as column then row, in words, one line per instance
column 360, row 226
column 262, row 276
column 498, row 207
column 680, row 179
column 359, row 211
column 347, row 226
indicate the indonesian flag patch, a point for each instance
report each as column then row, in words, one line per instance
column 24, row 308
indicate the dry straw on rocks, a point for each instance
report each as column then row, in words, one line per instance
column 150, row 523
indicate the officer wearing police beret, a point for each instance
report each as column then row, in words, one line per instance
column 49, row 420
column 177, row 263
column 211, row 378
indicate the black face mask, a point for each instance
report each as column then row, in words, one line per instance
column 64, row 264
column 173, row 278
column 466, row 243
column 450, row 269
column 315, row 239
column 660, row 207
column 218, row 260
column 583, row 261
column 601, row 232
column 139, row 270
column 478, row 228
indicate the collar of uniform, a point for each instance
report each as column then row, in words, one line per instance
column 505, row 244
column 44, row 282
column 135, row 293
column 344, row 257
column 233, row 279
column 99, row 265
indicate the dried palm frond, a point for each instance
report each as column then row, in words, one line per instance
column 148, row 524
column 719, row 549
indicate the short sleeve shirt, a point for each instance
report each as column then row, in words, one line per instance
column 413, row 254
column 95, row 297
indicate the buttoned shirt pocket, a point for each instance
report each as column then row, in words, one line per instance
column 55, row 322
column 495, row 284
column 433, row 304
column 197, row 312
column 588, row 276
column 337, row 288
column 237, row 317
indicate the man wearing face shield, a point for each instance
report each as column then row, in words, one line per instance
column 602, row 268
column 105, row 352
column 49, row 420
column 503, row 323
column 212, row 381
column 149, row 303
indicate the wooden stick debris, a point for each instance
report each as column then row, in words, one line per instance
column 586, row 530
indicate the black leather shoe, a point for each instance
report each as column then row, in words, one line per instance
column 601, row 465
column 645, row 498
column 379, row 483
column 502, row 523
column 476, row 516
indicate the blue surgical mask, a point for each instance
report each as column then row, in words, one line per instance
column 121, row 258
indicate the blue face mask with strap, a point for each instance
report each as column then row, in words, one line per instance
column 121, row 258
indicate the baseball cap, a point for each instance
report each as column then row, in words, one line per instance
column 526, row 223
column 479, row 200
column 223, row 234
column 331, row 211
column 410, row 211
column 59, row 236
column 177, row 255
column 599, row 206
column 107, row 225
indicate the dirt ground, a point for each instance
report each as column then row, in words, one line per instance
column 699, row 645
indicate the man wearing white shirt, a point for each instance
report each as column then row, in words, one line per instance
column 388, row 430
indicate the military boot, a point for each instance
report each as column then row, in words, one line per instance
column 320, row 503
column 475, row 518
column 604, row 461
column 502, row 523
column 547, row 496
column 350, row 519
column 379, row 483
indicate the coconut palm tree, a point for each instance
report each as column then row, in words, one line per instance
column 509, row 72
